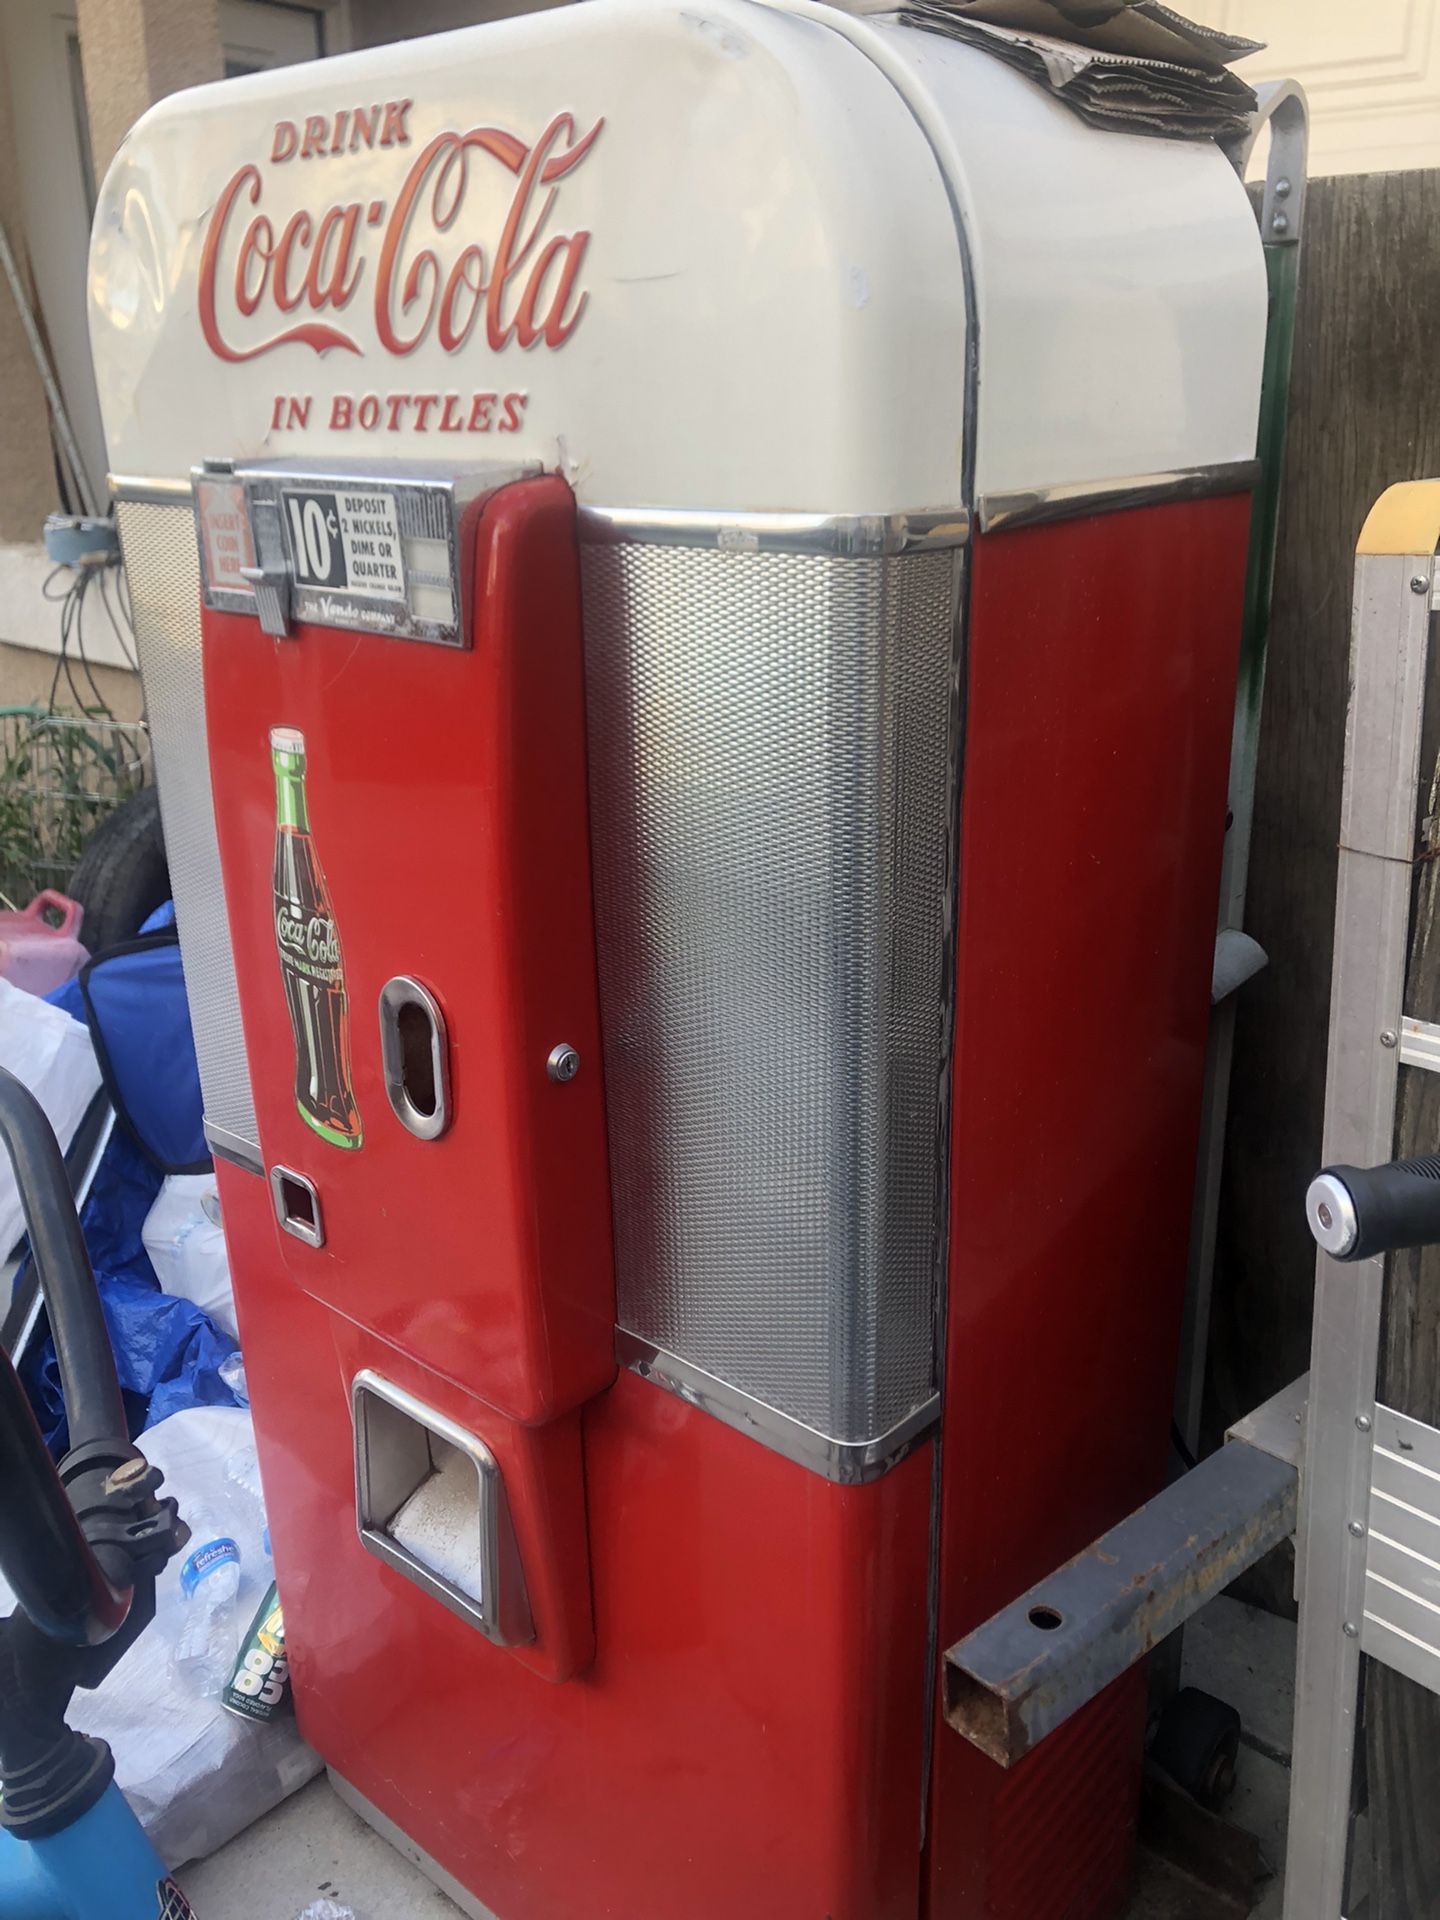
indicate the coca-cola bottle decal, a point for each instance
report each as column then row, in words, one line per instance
column 310, row 962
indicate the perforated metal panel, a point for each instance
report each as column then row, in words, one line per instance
column 163, row 569
column 772, row 798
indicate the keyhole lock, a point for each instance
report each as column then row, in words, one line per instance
column 563, row 1063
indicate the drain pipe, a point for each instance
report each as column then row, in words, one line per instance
column 63, row 430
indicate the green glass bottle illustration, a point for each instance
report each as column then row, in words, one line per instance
column 310, row 961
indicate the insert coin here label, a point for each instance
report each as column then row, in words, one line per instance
column 346, row 540
column 225, row 533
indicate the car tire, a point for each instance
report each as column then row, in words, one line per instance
column 123, row 875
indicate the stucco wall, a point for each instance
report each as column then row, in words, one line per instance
column 27, row 472
column 373, row 22
column 137, row 51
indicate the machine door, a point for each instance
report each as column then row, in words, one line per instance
column 395, row 705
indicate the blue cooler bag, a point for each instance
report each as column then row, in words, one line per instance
column 133, row 999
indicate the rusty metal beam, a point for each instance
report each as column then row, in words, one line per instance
column 1030, row 1666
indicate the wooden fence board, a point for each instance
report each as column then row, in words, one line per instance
column 1365, row 411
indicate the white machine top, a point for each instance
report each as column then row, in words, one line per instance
column 728, row 257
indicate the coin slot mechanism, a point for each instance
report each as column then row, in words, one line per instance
column 297, row 1206
column 414, row 1051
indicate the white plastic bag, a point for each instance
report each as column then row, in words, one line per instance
column 187, row 1248
column 52, row 1054
column 194, row 1774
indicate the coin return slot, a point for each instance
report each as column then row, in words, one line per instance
column 430, row 1502
column 414, row 1051
column 297, row 1206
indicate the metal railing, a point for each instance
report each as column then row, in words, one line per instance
column 60, row 775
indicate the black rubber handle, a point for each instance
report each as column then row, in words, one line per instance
column 1357, row 1212
column 93, row 1407
column 44, row 1555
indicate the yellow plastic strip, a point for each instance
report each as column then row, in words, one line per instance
column 1405, row 519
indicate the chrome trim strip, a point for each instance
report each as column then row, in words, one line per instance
column 152, row 492
column 1029, row 506
column 404, row 1845
column 960, row 666
column 861, row 534
column 849, row 1463
column 226, row 1145
column 936, row 135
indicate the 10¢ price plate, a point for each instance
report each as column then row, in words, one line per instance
column 344, row 541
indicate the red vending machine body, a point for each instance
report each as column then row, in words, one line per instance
column 1086, row 927
column 756, row 1664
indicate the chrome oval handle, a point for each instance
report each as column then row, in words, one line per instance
column 415, row 1055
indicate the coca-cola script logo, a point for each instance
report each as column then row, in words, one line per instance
column 312, row 939
column 426, row 274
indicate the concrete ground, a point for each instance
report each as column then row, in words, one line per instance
column 314, row 1848
column 1247, row 1658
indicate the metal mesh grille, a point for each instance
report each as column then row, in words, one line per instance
column 163, row 569
column 771, row 769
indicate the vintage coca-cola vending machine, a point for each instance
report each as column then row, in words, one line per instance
column 688, row 571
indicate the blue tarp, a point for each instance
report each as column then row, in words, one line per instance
column 167, row 1351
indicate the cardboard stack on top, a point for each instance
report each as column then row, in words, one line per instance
column 1131, row 65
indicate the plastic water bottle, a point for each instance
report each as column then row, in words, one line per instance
column 232, row 1372
column 209, row 1581
column 242, row 1470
